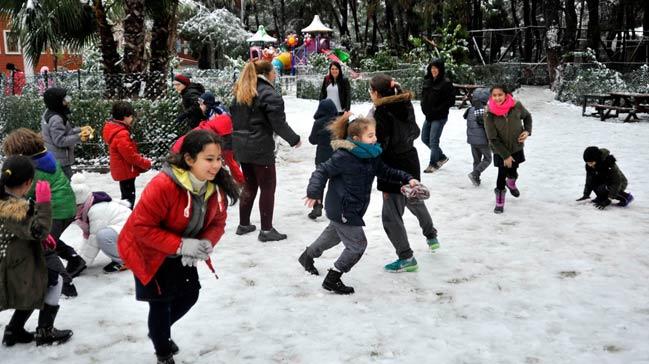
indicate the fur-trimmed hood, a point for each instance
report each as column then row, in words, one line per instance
column 342, row 144
column 13, row 208
column 404, row 96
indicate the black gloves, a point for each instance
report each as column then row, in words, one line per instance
column 601, row 203
column 582, row 198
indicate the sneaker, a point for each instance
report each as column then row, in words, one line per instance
column 271, row 235
column 245, row 229
column 442, row 162
column 402, row 265
column 113, row 267
column 474, row 179
column 624, row 203
column 69, row 290
column 75, row 266
column 433, row 243
column 430, row 169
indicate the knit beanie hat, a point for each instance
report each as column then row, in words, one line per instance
column 419, row 192
column 182, row 79
column 80, row 188
column 592, row 154
column 208, row 99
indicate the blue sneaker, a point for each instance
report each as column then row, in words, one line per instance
column 624, row 203
column 433, row 244
column 402, row 265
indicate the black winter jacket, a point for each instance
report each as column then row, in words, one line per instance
column 437, row 94
column 192, row 113
column 253, row 126
column 350, row 183
column 344, row 92
column 320, row 135
column 396, row 131
column 606, row 173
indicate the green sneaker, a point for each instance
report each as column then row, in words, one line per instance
column 433, row 244
column 402, row 265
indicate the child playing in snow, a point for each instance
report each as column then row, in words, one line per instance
column 101, row 219
column 605, row 178
column 502, row 121
column 179, row 218
column 126, row 162
column 219, row 123
column 25, row 282
column 476, row 135
column 320, row 136
column 27, row 142
column 350, row 171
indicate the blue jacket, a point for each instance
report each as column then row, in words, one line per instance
column 320, row 135
column 350, row 182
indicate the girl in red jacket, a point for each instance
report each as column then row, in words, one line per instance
column 179, row 218
column 126, row 162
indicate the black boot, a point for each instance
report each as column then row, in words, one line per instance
column 75, row 266
column 166, row 359
column 15, row 332
column 69, row 290
column 333, row 283
column 271, row 235
column 307, row 263
column 317, row 211
column 46, row 334
column 174, row 348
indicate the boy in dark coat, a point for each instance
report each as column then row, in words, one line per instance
column 605, row 178
column 476, row 135
column 321, row 137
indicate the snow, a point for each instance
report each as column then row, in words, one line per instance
column 548, row 281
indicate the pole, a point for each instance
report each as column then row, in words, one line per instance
column 243, row 7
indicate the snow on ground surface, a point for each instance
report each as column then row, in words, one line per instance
column 548, row 281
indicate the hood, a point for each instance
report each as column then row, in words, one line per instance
column 111, row 128
column 45, row 162
column 13, row 208
column 326, row 110
column 53, row 98
column 404, row 96
column 440, row 65
column 342, row 144
column 480, row 97
column 181, row 178
column 197, row 87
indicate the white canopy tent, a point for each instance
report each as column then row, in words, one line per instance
column 316, row 26
column 261, row 36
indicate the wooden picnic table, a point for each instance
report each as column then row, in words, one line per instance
column 629, row 103
column 599, row 98
column 465, row 93
column 639, row 102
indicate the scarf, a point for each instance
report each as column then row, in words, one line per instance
column 82, row 212
column 501, row 109
column 366, row 151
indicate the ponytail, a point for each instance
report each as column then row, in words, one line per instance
column 338, row 128
column 16, row 170
column 341, row 128
column 245, row 89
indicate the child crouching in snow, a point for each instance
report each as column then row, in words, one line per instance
column 350, row 171
column 605, row 178
column 26, row 284
column 101, row 220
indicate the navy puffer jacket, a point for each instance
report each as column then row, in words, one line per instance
column 320, row 135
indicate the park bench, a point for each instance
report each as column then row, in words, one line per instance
column 605, row 111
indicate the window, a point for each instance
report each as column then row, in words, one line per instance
column 12, row 43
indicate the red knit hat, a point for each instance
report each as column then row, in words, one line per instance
column 182, row 79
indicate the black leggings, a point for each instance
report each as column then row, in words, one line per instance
column 503, row 173
column 162, row 315
column 263, row 178
column 62, row 249
column 127, row 188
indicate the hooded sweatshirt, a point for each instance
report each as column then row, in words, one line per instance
column 320, row 135
column 48, row 169
column 437, row 94
column 59, row 134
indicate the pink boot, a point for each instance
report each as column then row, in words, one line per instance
column 500, row 201
column 511, row 185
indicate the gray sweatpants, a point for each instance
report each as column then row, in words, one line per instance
column 481, row 158
column 352, row 237
column 394, row 205
column 107, row 242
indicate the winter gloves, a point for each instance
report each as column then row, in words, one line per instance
column 87, row 132
column 582, row 198
column 194, row 250
column 43, row 192
column 49, row 243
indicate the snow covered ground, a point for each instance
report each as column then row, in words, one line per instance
column 548, row 281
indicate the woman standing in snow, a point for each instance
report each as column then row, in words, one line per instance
column 337, row 88
column 258, row 113
column 507, row 135
column 178, row 220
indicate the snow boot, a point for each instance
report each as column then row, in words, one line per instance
column 333, row 283
column 316, row 212
column 475, row 179
column 245, row 229
column 271, row 235
column 172, row 345
column 307, row 263
column 46, row 334
column 433, row 243
column 15, row 332
column 166, row 359
column 75, row 266
column 500, row 201
column 511, row 185
column 402, row 265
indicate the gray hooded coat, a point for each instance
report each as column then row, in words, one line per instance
column 475, row 132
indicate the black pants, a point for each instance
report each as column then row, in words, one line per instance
column 62, row 249
column 503, row 173
column 127, row 188
column 162, row 315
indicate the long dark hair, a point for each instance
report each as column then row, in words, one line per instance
column 195, row 141
column 16, row 170
column 384, row 85
column 330, row 78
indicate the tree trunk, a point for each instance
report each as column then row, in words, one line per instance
column 110, row 57
column 552, row 47
column 353, row 4
column 527, row 39
column 537, row 36
column 134, row 36
column 282, row 10
column 569, row 40
column 162, row 44
column 645, row 19
column 518, row 43
column 593, row 25
column 390, row 27
column 375, row 29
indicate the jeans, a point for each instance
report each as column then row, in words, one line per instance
column 431, row 132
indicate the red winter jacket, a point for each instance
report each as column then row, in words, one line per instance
column 125, row 160
column 222, row 126
column 156, row 226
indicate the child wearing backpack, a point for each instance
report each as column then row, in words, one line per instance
column 25, row 282
column 350, row 172
column 476, row 135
